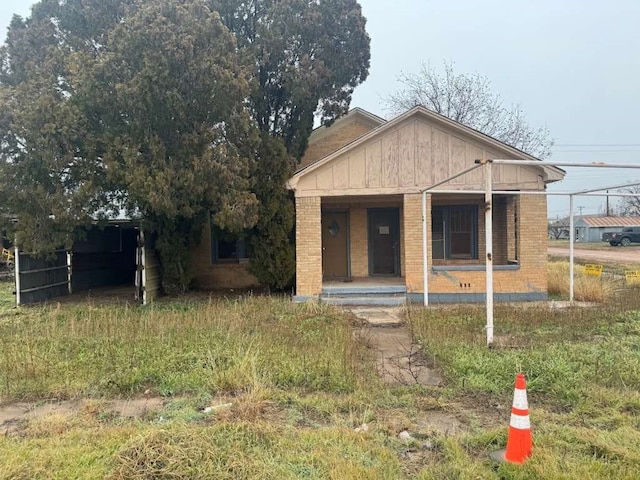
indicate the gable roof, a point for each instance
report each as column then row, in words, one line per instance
column 355, row 113
column 601, row 221
column 552, row 173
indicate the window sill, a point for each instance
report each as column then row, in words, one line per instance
column 470, row 268
column 231, row 261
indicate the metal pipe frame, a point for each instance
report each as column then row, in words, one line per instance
column 488, row 193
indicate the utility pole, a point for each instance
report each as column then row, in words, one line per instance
column 607, row 197
column 580, row 210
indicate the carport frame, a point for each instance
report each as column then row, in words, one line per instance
column 488, row 192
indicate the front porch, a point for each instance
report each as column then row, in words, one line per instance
column 369, row 249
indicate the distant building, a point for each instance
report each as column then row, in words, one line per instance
column 589, row 228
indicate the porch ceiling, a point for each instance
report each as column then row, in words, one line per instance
column 363, row 199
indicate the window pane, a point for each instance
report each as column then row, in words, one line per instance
column 461, row 231
column 437, row 233
column 227, row 250
column 461, row 246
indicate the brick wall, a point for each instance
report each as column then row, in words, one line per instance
column 308, row 246
column 529, row 276
column 334, row 141
column 512, row 212
column 358, row 236
column 210, row 276
column 412, row 240
column 532, row 240
column 499, row 230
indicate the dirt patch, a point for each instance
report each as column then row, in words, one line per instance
column 439, row 422
column 14, row 416
column 619, row 255
column 399, row 360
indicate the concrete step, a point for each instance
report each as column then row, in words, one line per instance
column 368, row 300
column 390, row 290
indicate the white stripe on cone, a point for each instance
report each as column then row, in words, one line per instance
column 520, row 399
column 521, row 422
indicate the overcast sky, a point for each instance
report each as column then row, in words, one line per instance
column 573, row 65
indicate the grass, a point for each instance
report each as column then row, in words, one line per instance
column 297, row 379
column 7, row 300
column 299, row 383
column 588, row 288
column 583, row 379
column 221, row 450
column 616, row 268
column 220, row 347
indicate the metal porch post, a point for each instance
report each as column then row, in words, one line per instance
column 488, row 228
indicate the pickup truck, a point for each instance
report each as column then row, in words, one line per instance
column 625, row 237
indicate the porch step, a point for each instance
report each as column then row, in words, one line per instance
column 365, row 291
column 370, row 300
column 381, row 295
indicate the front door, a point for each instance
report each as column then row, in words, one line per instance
column 335, row 258
column 384, row 241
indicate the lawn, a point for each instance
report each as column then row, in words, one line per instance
column 295, row 387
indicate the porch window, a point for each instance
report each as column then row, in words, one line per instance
column 454, row 232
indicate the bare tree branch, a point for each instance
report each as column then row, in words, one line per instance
column 630, row 206
column 468, row 99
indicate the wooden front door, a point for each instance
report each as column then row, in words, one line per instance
column 384, row 241
column 335, row 256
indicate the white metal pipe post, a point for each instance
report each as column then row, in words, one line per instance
column 536, row 192
column 16, row 273
column 425, row 272
column 70, row 271
column 572, row 239
column 488, row 229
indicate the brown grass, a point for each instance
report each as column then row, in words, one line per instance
column 587, row 288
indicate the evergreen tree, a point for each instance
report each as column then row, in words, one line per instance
column 306, row 57
column 273, row 261
column 156, row 106
column 144, row 106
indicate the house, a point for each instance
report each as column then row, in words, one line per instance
column 589, row 228
column 359, row 213
column 359, row 229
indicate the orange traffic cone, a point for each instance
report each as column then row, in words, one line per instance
column 519, row 441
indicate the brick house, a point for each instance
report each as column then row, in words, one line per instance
column 359, row 213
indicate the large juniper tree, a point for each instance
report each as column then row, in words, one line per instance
column 307, row 57
column 171, row 110
column 139, row 102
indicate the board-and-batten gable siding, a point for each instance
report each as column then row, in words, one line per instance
column 408, row 158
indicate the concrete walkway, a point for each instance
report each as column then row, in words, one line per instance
column 399, row 359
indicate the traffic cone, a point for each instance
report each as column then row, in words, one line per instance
column 519, row 441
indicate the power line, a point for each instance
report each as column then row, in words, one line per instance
column 596, row 151
column 597, row 145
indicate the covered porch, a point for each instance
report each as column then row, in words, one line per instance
column 363, row 246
